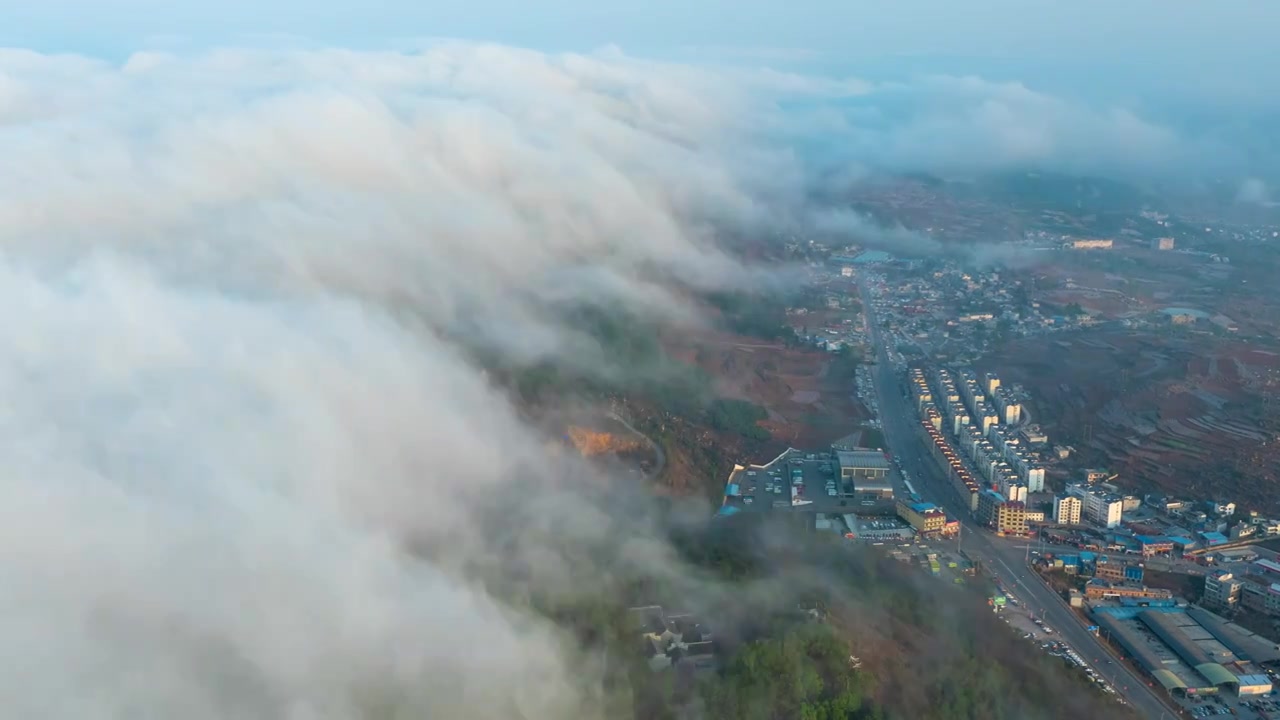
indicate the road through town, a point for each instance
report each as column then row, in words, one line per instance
column 1006, row 558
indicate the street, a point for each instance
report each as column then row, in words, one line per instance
column 1006, row 558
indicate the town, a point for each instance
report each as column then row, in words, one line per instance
column 962, row 478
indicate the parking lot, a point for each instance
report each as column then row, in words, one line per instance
column 1023, row 620
column 1229, row 705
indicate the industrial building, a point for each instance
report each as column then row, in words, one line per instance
column 1190, row 651
column 867, row 491
column 870, row 464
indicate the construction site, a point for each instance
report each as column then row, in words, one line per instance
column 602, row 436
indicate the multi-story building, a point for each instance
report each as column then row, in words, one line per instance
column 1108, row 570
column 987, row 501
column 1006, row 517
column 1034, row 477
column 985, row 417
column 1259, row 594
column 1011, row 518
column 1067, row 509
column 932, row 416
column 1222, row 590
column 1153, row 545
column 924, row 517
column 1107, row 510
column 992, row 383
column 1267, row 526
column 1011, row 489
column 1012, row 411
column 1100, row 507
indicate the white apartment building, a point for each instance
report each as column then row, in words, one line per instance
column 1034, row 477
column 1012, row 413
column 992, row 382
column 1102, row 508
column 1015, row 492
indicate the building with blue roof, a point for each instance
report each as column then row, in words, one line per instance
column 1213, row 538
column 924, row 517
column 1154, row 545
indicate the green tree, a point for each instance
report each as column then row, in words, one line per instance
column 800, row 673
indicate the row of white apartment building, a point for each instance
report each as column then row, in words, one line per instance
column 996, row 451
column 1007, row 405
column 1098, row 506
column 972, row 423
column 1012, row 447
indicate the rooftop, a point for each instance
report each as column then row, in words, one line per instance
column 1149, row 651
column 1185, row 311
column 871, row 459
column 1268, row 565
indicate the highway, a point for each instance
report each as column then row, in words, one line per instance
column 900, row 425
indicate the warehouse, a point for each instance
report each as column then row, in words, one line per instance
column 1190, row 651
column 856, row 464
column 1165, row 667
column 1193, row 644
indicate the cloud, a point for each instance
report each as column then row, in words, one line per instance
column 967, row 125
column 1254, row 192
column 234, row 396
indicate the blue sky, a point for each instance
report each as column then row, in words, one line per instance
column 1171, row 46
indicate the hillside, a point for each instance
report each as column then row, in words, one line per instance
column 813, row 627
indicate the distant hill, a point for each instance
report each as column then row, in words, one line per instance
column 1057, row 191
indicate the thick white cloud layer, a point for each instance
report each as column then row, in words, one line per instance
column 228, row 406
column 228, row 403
